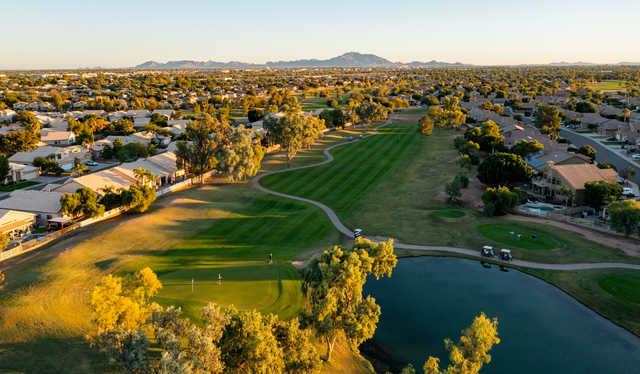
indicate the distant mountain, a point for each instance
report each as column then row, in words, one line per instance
column 190, row 64
column 577, row 63
column 351, row 59
column 432, row 64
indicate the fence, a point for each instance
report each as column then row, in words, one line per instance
column 41, row 241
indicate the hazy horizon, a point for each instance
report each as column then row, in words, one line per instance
column 72, row 34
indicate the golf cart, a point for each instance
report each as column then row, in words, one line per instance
column 487, row 251
column 505, row 254
column 357, row 233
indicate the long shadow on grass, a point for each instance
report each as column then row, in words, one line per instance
column 52, row 355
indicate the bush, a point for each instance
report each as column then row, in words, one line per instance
column 499, row 200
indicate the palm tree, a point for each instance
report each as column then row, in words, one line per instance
column 143, row 176
column 567, row 192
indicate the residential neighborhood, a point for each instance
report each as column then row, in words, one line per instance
column 350, row 187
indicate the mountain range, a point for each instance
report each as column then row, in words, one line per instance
column 347, row 60
column 351, row 59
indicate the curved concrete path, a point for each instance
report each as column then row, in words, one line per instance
column 333, row 217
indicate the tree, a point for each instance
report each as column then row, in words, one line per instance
column 599, row 193
column 525, row 148
column 333, row 287
column 18, row 141
column 453, row 188
column 4, row 242
column 547, row 119
column 300, row 354
column 241, row 159
column 487, row 136
column 5, row 169
column 138, row 197
column 448, row 114
column 293, row 131
column 120, row 306
column 426, row 125
column 472, row 350
column 254, row 115
column 198, row 155
column 248, row 344
column 84, row 202
column 144, row 176
column 499, row 200
column 625, row 216
column 504, row 169
column 333, row 118
column 567, row 192
column 47, row 165
column 585, row 107
column 588, row 151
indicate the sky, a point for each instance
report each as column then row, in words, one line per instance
column 116, row 33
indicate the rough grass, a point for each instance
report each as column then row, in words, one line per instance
column 623, row 287
column 612, row 293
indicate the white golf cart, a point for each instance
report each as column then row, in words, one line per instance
column 505, row 254
column 487, row 251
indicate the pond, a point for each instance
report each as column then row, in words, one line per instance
column 543, row 330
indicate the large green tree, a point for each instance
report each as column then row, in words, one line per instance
column 241, row 159
column 625, row 216
column 198, row 155
column 472, row 350
column 600, row 193
column 504, row 169
column 547, row 119
column 333, row 286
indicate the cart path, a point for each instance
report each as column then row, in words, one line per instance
column 333, row 217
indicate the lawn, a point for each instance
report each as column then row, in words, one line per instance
column 313, row 103
column 609, row 85
column 615, row 294
column 392, row 184
column 17, row 186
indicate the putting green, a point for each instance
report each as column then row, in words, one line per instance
column 623, row 287
column 517, row 236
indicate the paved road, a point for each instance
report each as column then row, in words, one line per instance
column 333, row 217
column 604, row 153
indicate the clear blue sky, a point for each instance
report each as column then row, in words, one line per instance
column 115, row 33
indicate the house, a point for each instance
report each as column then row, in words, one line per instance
column 557, row 157
column 16, row 224
column 20, row 172
column 57, row 137
column 44, row 204
column 138, row 113
column 6, row 115
column 162, row 165
column 98, row 181
column 611, row 127
column 65, row 156
column 548, row 185
column 177, row 126
column 138, row 137
column 167, row 113
column 592, row 120
column 140, row 122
